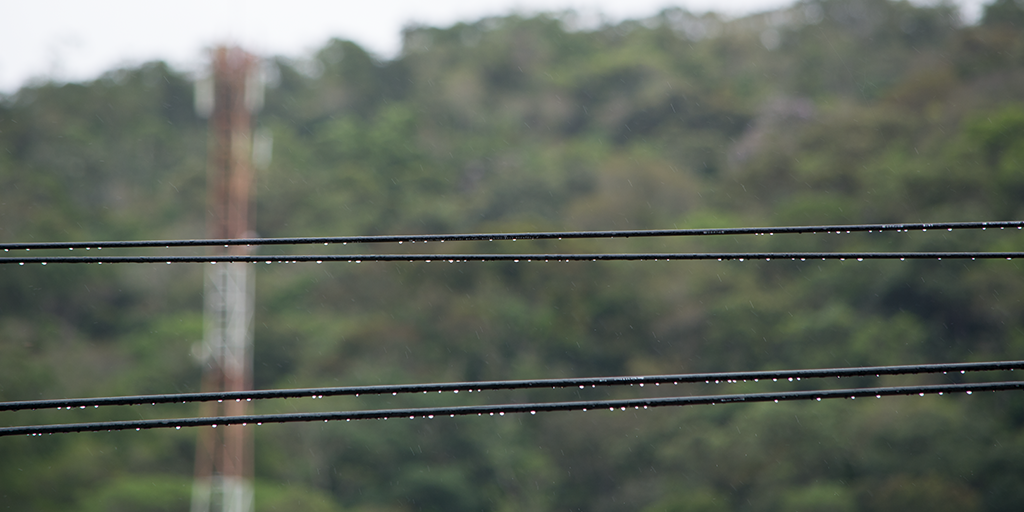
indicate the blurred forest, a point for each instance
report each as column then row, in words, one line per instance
column 829, row 111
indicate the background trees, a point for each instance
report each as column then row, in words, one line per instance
column 826, row 112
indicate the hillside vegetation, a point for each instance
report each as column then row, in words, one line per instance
column 831, row 111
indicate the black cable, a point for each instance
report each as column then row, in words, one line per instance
column 501, row 410
column 452, row 258
column 836, row 228
column 513, row 384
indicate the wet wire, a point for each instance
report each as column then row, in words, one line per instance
column 480, row 386
column 501, row 410
column 541, row 257
column 727, row 377
column 550, row 235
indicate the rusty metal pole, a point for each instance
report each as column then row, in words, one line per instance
column 223, row 473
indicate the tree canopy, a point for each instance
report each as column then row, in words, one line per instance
column 828, row 111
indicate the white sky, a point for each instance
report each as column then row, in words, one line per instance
column 78, row 40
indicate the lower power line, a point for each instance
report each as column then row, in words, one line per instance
column 460, row 258
column 501, row 410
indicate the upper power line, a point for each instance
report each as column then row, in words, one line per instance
column 551, row 235
column 455, row 387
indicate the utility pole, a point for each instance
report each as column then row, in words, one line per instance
column 224, row 463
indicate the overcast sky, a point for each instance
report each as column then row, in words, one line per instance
column 78, row 40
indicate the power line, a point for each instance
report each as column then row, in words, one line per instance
column 453, row 258
column 514, row 384
column 550, row 235
column 501, row 410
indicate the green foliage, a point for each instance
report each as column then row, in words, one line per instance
column 283, row 498
column 156, row 493
column 830, row 111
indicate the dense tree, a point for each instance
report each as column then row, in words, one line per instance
column 829, row 111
